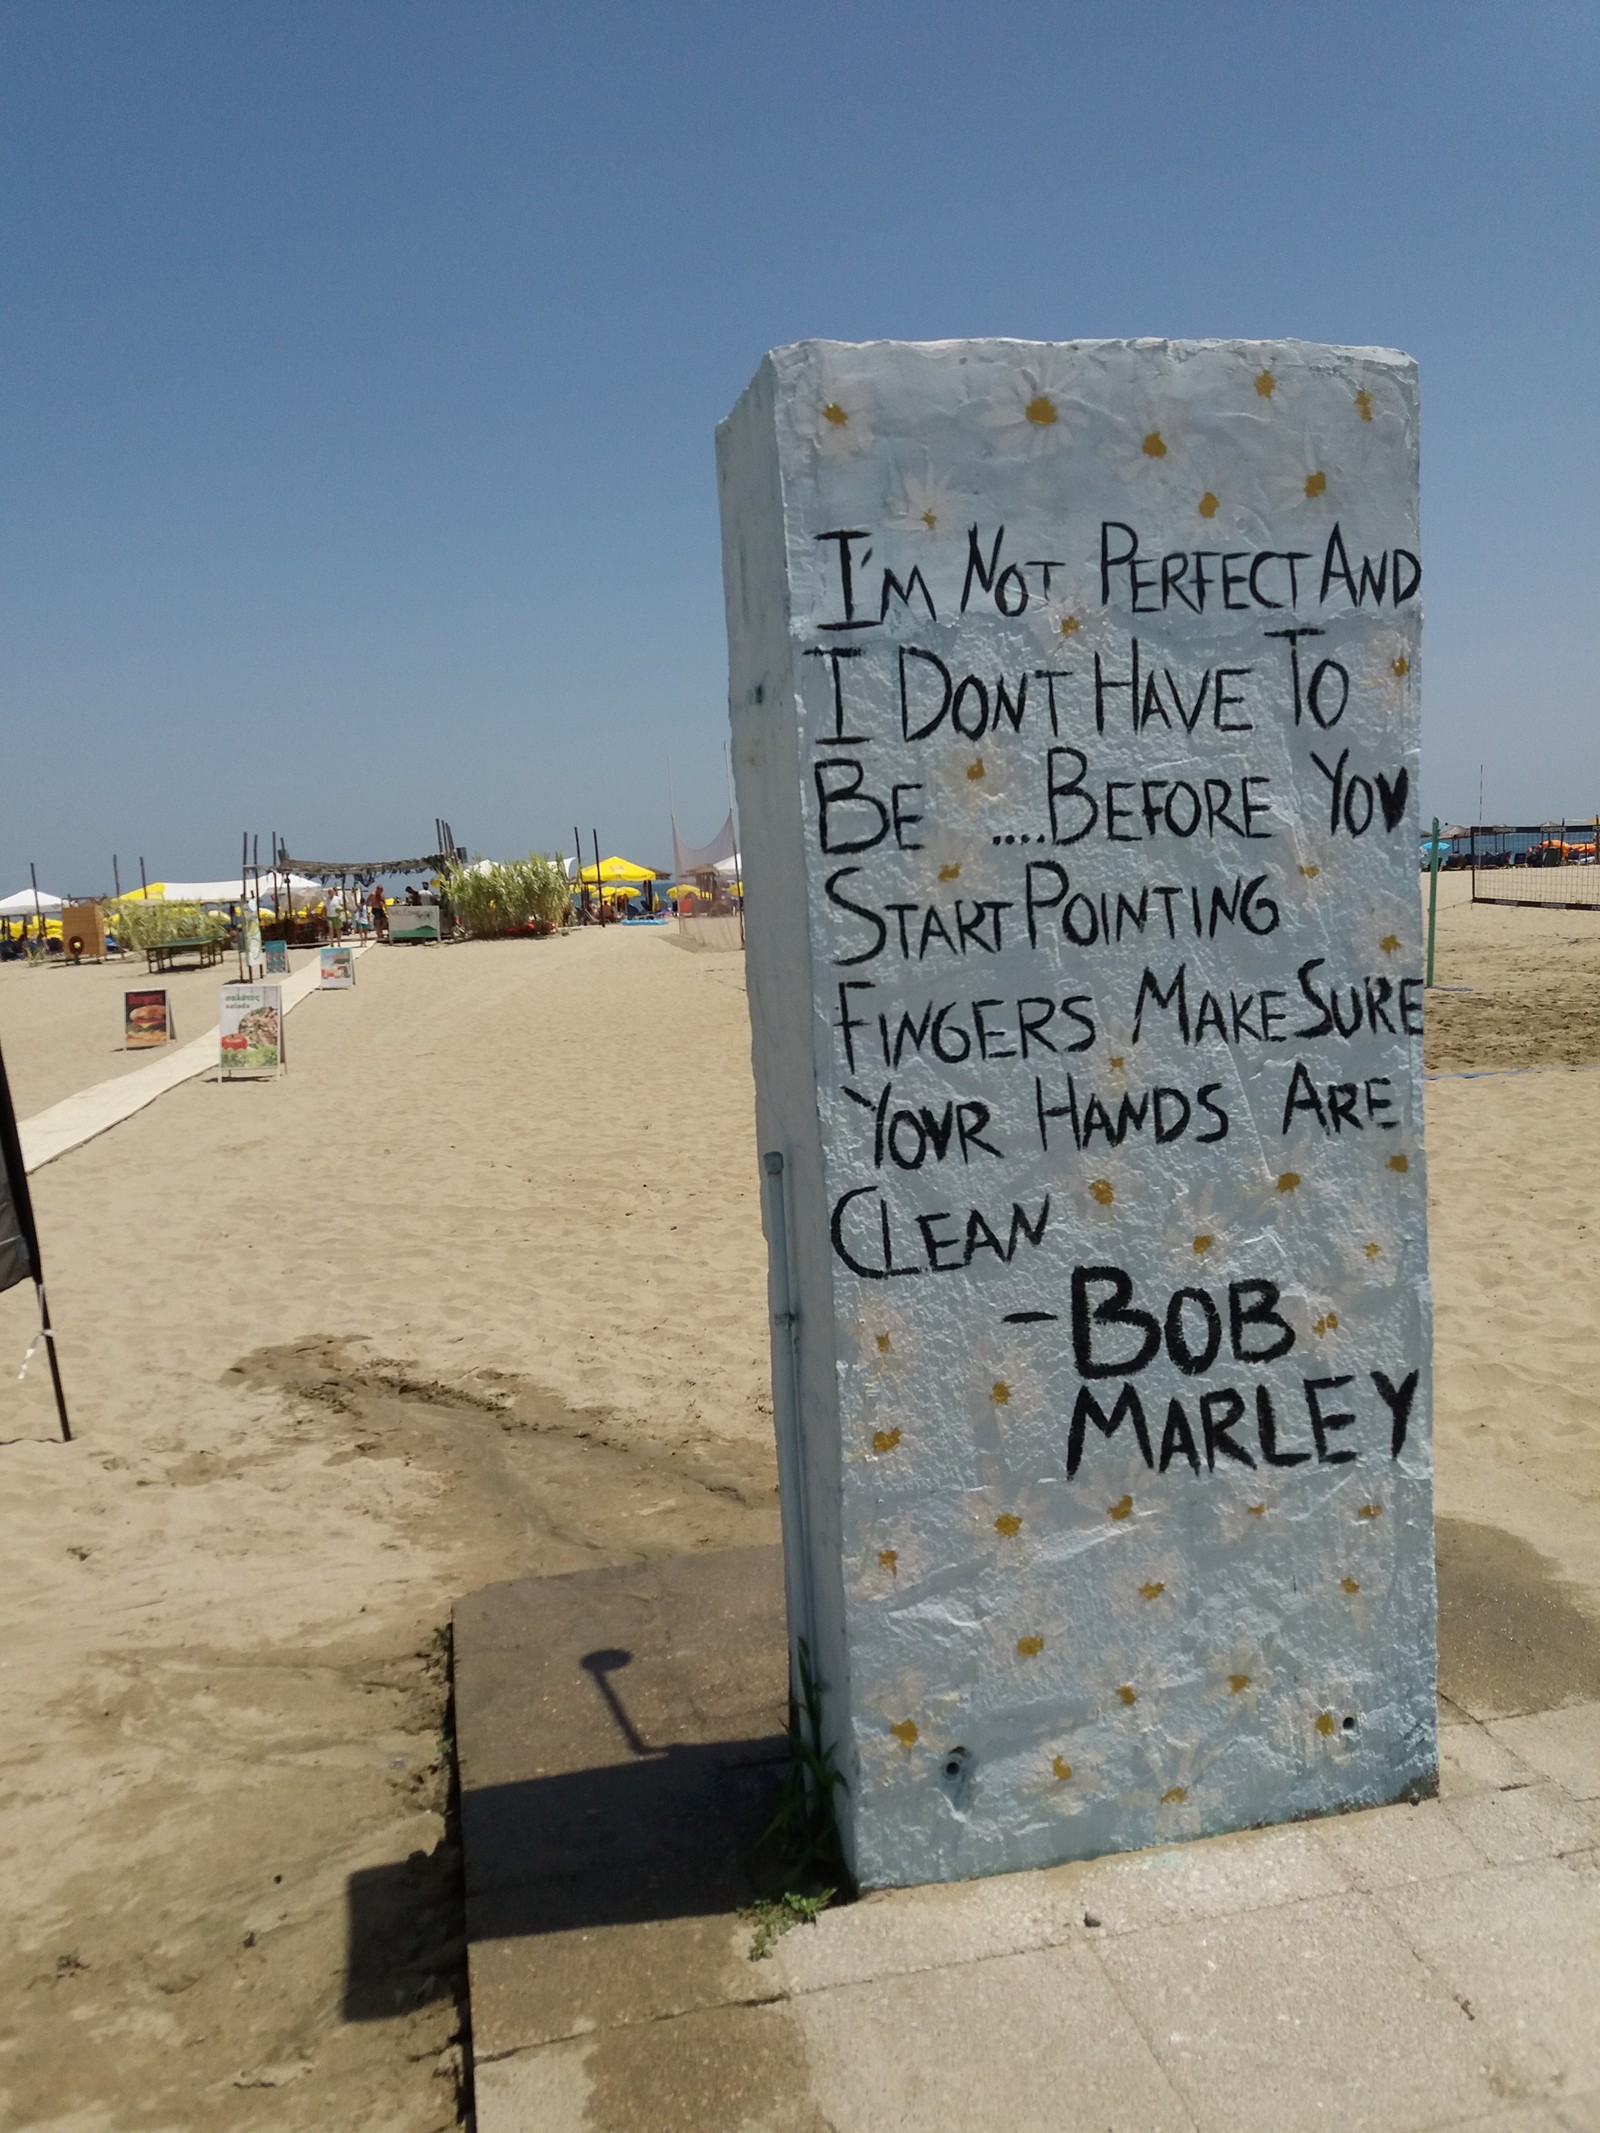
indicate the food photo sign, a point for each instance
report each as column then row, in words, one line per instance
column 1075, row 707
column 251, row 1030
column 337, row 969
column 146, row 1020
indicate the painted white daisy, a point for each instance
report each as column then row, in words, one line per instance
column 1033, row 413
column 1303, row 491
column 841, row 419
column 1071, row 621
column 1389, row 664
column 1152, row 453
column 928, row 507
column 1199, row 1232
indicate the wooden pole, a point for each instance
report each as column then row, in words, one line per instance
column 144, row 886
column 38, row 914
column 600, row 902
column 1433, row 895
column 48, row 1331
column 116, row 878
column 583, row 894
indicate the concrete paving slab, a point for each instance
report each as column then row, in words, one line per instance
column 1514, row 1636
column 620, row 1742
column 1255, row 1869
column 724, row 2070
column 570, row 1984
column 1029, row 2043
column 1472, row 1760
column 1535, row 2118
column 1389, row 1845
column 1564, row 1745
column 1525, row 1822
column 1310, row 2014
column 1521, row 1946
column 896, row 1932
column 620, row 1736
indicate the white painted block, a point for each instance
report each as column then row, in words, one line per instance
column 1074, row 699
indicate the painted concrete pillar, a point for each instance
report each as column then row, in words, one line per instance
column 1075, row 709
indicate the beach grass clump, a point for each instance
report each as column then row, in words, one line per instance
column 153, row 925
column 506, row 896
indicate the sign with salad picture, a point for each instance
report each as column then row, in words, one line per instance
column 251, row 1022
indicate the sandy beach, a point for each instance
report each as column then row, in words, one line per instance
column 477, row 1290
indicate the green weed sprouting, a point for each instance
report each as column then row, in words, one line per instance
column 774, row 1915
column 804, row 1829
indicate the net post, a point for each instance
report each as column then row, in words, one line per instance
column 1433, row 895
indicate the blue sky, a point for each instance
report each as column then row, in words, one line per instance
column 361, row 364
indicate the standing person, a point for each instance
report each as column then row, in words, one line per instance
column 379, row 910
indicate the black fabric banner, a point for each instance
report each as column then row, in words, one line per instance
column 19, row 1240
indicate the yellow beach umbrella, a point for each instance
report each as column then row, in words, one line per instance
column 617, row 869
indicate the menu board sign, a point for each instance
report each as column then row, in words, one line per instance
column 147, row 1020
column 251, row 1024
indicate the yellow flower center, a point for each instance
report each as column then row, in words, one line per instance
column 1155, row 446
column 1266, row 384
column 1316, row 483
column 835, row 414
column 1364, row 404
column 1041, row 411
column 1101, row 1192
column 1208, row 505
column 930, row 518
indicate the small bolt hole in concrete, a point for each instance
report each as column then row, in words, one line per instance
column 1349, row 1725
column 958, row 1779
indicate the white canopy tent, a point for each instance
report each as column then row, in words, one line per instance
column 302, row 891
column 22, row 905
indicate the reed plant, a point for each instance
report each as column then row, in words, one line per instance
column 509, row 896
column 144, row 925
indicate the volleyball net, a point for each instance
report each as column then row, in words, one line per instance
column 1550, row 865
